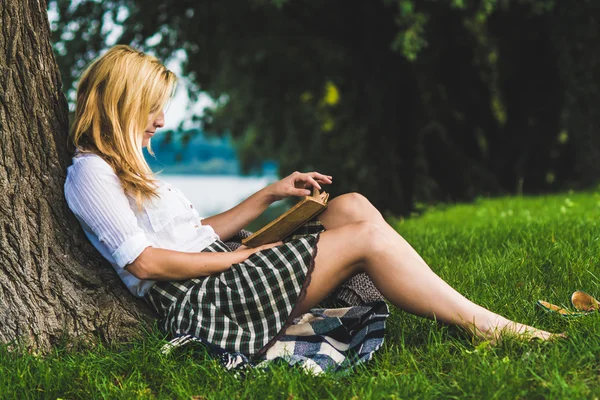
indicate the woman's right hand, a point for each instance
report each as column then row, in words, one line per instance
column 248, row 251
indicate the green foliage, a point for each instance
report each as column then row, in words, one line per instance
column 410, row 39
column 79, row 33
column 504, row 254
column 435, row 100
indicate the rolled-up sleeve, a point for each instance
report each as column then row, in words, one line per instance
column 95, row 195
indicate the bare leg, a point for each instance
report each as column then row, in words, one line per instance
column 354, row 207
column 400, row 274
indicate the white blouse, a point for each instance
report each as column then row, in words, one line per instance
column 112, row 222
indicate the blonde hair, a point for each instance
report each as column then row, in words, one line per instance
column 116, row 95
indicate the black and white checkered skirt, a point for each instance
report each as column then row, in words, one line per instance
column 244, row 308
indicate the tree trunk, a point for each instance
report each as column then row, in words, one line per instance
column 53, row 283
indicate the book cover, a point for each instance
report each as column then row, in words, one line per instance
column 302, row 212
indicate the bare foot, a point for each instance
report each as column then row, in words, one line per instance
column 501, row 327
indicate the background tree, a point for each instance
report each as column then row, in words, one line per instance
column 404, row 101
column 53, row 284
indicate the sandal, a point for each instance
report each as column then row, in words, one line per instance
column 584, row 302
column 553, row 308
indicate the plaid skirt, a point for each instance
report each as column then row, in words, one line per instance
column 243, row 308
column 243, row 314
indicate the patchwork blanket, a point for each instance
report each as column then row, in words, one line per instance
column 324, row 339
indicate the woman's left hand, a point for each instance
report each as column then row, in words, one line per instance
column 297, row 184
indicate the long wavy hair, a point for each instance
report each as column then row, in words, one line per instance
column 117, row 94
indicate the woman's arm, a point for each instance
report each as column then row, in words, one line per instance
column 161, row 264
column 232, row 221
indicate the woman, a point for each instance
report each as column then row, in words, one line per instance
column 164, row 252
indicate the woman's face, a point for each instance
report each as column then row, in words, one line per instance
column 155, row 121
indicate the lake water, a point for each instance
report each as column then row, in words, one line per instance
column 214, row 194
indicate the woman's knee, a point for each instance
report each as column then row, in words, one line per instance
column 371, row 237
column 356, row 207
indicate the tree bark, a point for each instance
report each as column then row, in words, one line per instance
column 53, row 284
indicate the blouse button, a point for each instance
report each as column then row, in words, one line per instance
column 169, row 189
column 191, row 206
column 195, row 226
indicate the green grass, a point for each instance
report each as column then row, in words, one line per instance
column 504, row 254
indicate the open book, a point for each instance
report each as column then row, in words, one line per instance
column 305, row 210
